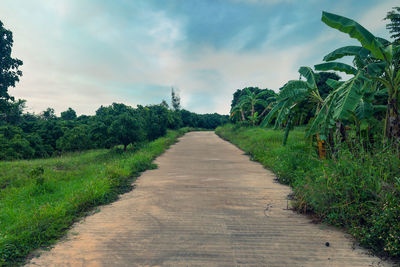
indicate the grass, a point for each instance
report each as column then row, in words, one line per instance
column 40, row 199
column 359, row 191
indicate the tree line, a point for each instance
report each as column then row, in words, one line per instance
column 26, row 135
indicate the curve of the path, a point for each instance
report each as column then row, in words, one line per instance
column 206, row 205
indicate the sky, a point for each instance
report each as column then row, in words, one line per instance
column 87, row 53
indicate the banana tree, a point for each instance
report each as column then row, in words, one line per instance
column 338, row 105
column 238, row 108
column 377, row 59
column 294, row 92
column 351, row 101
column 249, row 101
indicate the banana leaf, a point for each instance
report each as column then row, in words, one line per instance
column 356, row 31
column 338, row 66
column 347, row 51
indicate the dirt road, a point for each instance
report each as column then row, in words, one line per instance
column 206, row 205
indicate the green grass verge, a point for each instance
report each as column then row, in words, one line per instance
column 40, row 199
column 360, row 192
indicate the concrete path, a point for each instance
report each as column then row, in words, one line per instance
column 206, row 205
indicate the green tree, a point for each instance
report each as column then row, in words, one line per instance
column 48, row 114
column 99, row 135
column 250, row 100
column 128, row 129
column 9, row 71
column 69, row 114
column 175, row 100
column 291, row 95
column 238, row 109
column 13, row 144
column 156, row 120
column 394, row 25
column 13, row 111
column 75, row 139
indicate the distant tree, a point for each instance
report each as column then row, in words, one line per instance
column 36, row 142
column 75, row 139
column 175, row 100
column 69, row 114
column 13, row 144
column 189, row 119
column 99, row 136
column 49, row 131
column 321, row 78
column 12, row 111
column 394, row 25
column 128, row 129
column 155, row 120
column 164, row 104
column 48, row 114
column 174, row 120
column 249, row 100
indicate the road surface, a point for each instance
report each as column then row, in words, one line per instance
column 206, row 205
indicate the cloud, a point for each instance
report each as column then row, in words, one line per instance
column 373, row 19
column 83, row 54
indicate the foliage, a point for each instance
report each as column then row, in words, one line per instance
column 75, row 139
column 40, row 199
column 358, row 190
column 175, row 100
column 377, row 61
column 26, row 135
column 9, row 67
column 69, row 114
column 155, row 120
column 248, row 101
column 394, row 25
column 127, row 129
column 9, row 76
column 291, row 95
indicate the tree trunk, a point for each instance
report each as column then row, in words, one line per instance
column 288, row 125
column 331, row 141
column 242, row 113
column 341, row 131
column 393, row 121
column 262, row 113
column 125, row 147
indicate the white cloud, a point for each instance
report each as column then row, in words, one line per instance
column 81, row 57
column 373, row 20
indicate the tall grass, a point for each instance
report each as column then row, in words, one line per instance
column 359, row 191
column 40, row 199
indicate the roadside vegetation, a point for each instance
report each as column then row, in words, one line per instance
column 40, row 199
column 337, row 143
column 357, row 190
